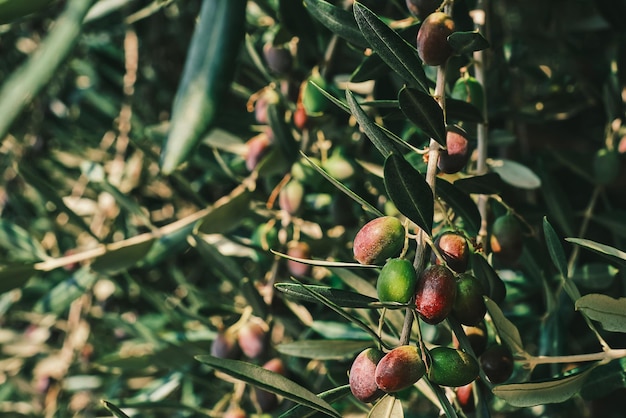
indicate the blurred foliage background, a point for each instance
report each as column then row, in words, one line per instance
column 80, row 169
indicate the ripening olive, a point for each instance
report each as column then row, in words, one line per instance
column 298, row 249
column 252, row 339
column 396, row 282
column 257, row 147
column 497, row 363
column 454, row 249
column 450, row 367
column 422, row 8
column 465, row 397
column 432, row 39
column 453, row 158
column 378, row 240
column 361, row 379
column 225, row 346
column 291, row 196
column 506, row 239
column 435, row 294
column 469, row 306
column 399, row 368
column 278, row 58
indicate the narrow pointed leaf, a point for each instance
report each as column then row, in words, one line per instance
column 391, row 47
column 339, row 21
column 409, row 191
column 323, row 349
column 375, row 134
column 463, row 111
column 269, row 381
column 227, row 212
column 331, row 395
column 424, row 111
column 603, row 249
column 15, row 275
column 555, row 249
column 388, row 407
column 63, row 294
column 609, row 312
column 516, row 174
column 467, row 42
column 462, row 204
column 490, row 183
column 117, row 412
column 524, row 395
column 122, row 256
column 507, row 331
column 19, row 243
column 342, row 298
column 323, row 263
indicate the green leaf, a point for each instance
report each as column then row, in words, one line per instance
column 460, row 110
column 332, row 330
column 409, row 191
column 63, row 294
column 337, row 20
column 227, row 212
column 424, row 111
column 595, row 276
column 605, row 379
column 342, row 298
column 490, row 183
column 516, row 174
column 488, row 276
column 269, row 381
column 282, row 133
column 114, row 409
column 524, row 395
column 462, row 204
column 373, row 131
column 15, row 275
column 609, row 312
column 602, row 249
column 331, row 395
column 19, row 244
column 506, row 330
column 371, row 68
column 387, row 407
column 324, row 349
column 557, row 200
column 467, row 42
column 122, row 256
column 323, row 263
column 555, row 249
column 391, row 47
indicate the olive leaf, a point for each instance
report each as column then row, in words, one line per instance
column 609, row 312
column 506, row 329
column 602, row 249
column 114, row 409
column 490, row 183
column 424, row 111
column 462, row 204
column 555, row 249
column 342, row 298
column 15, row 275
column 467, row 42
column 337, row 20
column 388, row 406
column 331, row 395
column 516, row 174
column 323, row 349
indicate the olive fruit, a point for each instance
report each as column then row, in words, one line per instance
column 435, row 294
column 300, row 118
column 378, row 240
column 298, row 249
column 399, row 368
column 506, row 239
column 432, row 39
column 454, row 249
column 268, row 401
column 290, row 197
column 225, row 346
column 361, row 379
column 477, row 336
column 453, row 158
column 469, row 306
column 422, row 8
column 451, row 367
column 465, row 397
column 252, row 338
column 257, row 147
column 278, row 58
column 396, row 282
column 338, row 166
column 497, row 363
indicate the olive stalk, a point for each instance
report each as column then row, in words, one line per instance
column 603, row 357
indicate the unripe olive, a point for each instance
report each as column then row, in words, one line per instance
column 257, row 148
column 252, row 339
column 497, row 363
column 450, row 367
column 453, row 158
column 399, row 369
column 469, row 306
column 265, row 236
column 290, row 197
column 298, row 249
column 422, row 8
column 313, row 100
column 454, row 249
column 435, row 294
column 339, row 166
column 469, row 90
column 432, row 39
column 396, row 282
column 278, row 58
column 506, row 239
column 378, row 240
column 465, row 397
column 225, row 346
column 267, row 400
column 361, row 379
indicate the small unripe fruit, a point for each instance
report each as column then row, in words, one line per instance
column 379, row 240
column 362, row 382
column 455, row 156
column 422, row 8
column 435, row 294
column 290, row 197
column 338, row 166
column 252, row 339
column 298, row 249
column 497, row 363
column 450, row 367
column 454, row 250
column 278, row 58
column 506, row 239
column 396, row 282
column 469, row 305
column 225, row 346
column 432, row 39
column 399, row 369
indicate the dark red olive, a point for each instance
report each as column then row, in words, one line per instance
column 432, row 39
column 497, row 363
column 436, row 291
column 453, row 158
column 225, row 346
column 378, row 240
column 399, row 368
column 252, row 339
